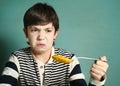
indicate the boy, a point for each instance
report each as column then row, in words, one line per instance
column 34, row 65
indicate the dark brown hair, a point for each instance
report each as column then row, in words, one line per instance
column 41, row 13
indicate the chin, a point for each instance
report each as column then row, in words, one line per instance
column 40, row 50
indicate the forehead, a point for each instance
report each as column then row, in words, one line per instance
column 47, row 25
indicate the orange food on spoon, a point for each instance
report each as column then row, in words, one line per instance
column 62, row 59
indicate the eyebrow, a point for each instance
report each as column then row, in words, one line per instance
column 48, row 27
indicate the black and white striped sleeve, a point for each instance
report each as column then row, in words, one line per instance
column 76, row 76
column 10, row 73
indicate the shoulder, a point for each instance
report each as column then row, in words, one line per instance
column 22, row 52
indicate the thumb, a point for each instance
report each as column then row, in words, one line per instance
column 103, row 58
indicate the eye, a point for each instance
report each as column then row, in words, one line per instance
column 48, row 30
column 34, row 30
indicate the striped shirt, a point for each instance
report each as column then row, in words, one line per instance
column 23, row 69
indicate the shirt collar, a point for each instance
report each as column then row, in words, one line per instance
column 52, row 53
column 50, row 60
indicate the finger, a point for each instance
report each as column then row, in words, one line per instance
column 98, row 71
column 102, row 65
column 99, row 67
column 95, row 76
column 103, row 58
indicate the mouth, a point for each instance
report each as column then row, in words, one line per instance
column 41, row 45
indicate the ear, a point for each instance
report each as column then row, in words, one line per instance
column 56, row 33
column 25, row 32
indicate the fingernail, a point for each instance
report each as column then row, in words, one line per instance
column 95, row 61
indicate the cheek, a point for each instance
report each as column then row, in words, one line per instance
column 51, row 38
column 31, row 39
column 54, row 36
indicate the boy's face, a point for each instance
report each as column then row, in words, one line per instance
column 41, row 37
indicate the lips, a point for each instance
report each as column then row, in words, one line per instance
column 40, row 45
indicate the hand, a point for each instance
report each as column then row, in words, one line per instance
column 99, row 69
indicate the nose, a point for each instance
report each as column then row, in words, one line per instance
column 41, row 35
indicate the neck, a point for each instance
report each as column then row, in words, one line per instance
column 44, row 56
